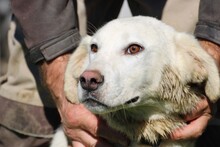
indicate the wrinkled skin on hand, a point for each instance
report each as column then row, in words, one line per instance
column 198, row 120
column 80, row 125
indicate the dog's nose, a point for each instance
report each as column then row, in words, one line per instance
column 90, row 80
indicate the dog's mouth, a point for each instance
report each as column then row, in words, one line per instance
column 94, row 102
column 131, row 101
column 99, row 107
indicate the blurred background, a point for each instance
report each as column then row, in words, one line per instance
column 4, row 24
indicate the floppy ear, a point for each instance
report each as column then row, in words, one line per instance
column 200, row 65
column 76, row 65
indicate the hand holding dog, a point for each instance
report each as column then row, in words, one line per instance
column 199, row 119
column 83, row 127
column 197, row 122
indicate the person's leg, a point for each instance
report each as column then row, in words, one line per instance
column 24, row 120
column 101, row 11
column 147, row 7
column 5, row 16
column 181, row 14
column 9, row 138
column 82, row 18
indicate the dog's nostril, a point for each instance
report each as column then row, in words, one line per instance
column 93, row 80
column 82, row 80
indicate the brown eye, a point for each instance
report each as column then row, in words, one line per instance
column 94, row 48
column 133, row 49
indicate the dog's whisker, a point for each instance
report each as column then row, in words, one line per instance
column 91, row 28
column 124, row 114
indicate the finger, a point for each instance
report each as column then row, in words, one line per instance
column 202, row 107
column 77, row 144
column 84, row 139
column 193, row 130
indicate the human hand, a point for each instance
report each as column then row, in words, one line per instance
column 87, row 129
column 81, row 126
column 197, row 122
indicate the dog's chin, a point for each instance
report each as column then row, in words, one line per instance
column 95, row 106
column 98, row 107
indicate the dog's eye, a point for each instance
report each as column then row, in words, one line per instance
column 94, row 48
column 133, row 49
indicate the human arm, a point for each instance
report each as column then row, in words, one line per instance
column 208, row 33
column 50, row 30
column 208, row 28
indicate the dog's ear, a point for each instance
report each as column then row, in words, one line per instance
column 200, row 66
column 76, row 65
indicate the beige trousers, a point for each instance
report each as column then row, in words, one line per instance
column 18, row 84
column 181, row 14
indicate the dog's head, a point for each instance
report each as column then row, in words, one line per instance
column 141, row 66
column 124, row 61
column 126, row 57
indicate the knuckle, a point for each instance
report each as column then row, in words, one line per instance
column 72, row 134
column 178, row 136
column 71, row 121
column 67, row 131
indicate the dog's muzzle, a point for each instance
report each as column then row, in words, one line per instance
column 90, row 81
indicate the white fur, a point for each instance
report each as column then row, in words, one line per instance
column 59, row 139
column 159, row 75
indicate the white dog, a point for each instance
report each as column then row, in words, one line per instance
column 141, row 75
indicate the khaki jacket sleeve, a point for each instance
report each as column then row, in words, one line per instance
column 208, row 26
column 49, row 27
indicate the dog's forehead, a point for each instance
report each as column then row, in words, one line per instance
column 136, row 23
column 131, row 29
